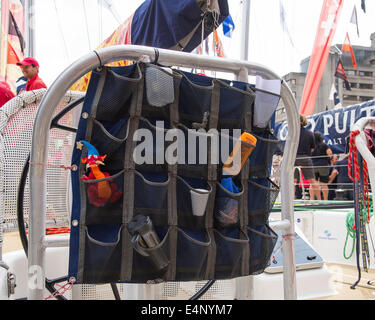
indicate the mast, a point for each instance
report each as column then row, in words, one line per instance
column 30, row 28
column 245, row 30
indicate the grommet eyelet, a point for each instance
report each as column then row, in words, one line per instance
column 75, row 223
column 85, row 115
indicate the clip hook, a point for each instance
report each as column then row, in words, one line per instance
column 157, row 54
column 100, row 68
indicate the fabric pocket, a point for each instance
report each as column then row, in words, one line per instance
column 151, row 196
column 116, row 97
column 192, row 252
column 109, row 138
column 195, row 99
column 262, row 194
column 192, row 198
column 102, row 262
column 104, row 199
column 261, row 157
column 226, row 207
column 262, row 242
column 230, row 246
column 144, row 268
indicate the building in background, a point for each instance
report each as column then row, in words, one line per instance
column 362, row 80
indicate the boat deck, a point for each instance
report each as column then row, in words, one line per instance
column 343, row 276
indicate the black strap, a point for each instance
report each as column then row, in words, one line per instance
column 129, row 166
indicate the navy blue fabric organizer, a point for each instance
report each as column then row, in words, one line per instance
column 198, row 248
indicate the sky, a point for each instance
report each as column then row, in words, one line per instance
column 62, row 35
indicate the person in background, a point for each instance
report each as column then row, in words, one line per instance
column 321, row 161
column 30, row 69
column 6, row 93
column 306, row 146
column 344, row 184
column 332, row 182
column 21, row 84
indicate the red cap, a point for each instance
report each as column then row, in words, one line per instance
column 27, row 62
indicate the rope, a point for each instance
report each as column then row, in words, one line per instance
column 66, row 287
column 353, row 154
column 350, row 232
column 61, row 166
column 285, row 238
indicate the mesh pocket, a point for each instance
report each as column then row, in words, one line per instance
column 195, row 100
column 262, row 194
column 229, row 252
column 102, row 262
column 261, row 157
column 192, row 197
column 226, row 207
column 151, row 196
column 159, row 86
column 192, row 252
column 115, row 100
column 104, row 198
column 233, row 102
column 143, row 267
column 110, row 138
column 262, row 242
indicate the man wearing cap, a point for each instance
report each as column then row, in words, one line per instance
column 5, row 93
column 30, row 69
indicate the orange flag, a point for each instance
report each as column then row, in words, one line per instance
column 326, row 29
column 12, row 55
column 346, row 46
column 218, row 46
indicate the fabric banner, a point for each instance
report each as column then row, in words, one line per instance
column 334, row 125
column 340, row 73
column 12, row 41
column 326, row 30
column 354, row 19
column 4, row 38
column 347, row 47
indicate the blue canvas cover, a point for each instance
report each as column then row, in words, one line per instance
column 164, row 23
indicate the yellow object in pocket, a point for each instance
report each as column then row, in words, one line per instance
column 241, row 151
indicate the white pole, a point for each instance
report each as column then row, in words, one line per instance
column 30, row 28
column 245, row 30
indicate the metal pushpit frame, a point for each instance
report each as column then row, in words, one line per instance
column 38, row 242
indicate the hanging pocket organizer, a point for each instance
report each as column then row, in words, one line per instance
column 199, row 227
column 262, row 194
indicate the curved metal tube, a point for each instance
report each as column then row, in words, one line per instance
column 361, row 143
column 128, row 52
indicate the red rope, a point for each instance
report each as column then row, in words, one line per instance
column 56, row 230
column 66, row 287
column 61, row 166
column 353, row 154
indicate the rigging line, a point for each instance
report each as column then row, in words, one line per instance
column 61, row 31
column 87, row 26
column 100, row 11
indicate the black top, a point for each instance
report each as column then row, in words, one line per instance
column 306, row 142
column 321, row 152
column 342, row 169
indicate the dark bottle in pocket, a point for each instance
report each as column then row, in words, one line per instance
column 226, row 212
column 146, row 241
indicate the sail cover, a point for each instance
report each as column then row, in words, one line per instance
column 174, row 24
column 167, row 24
